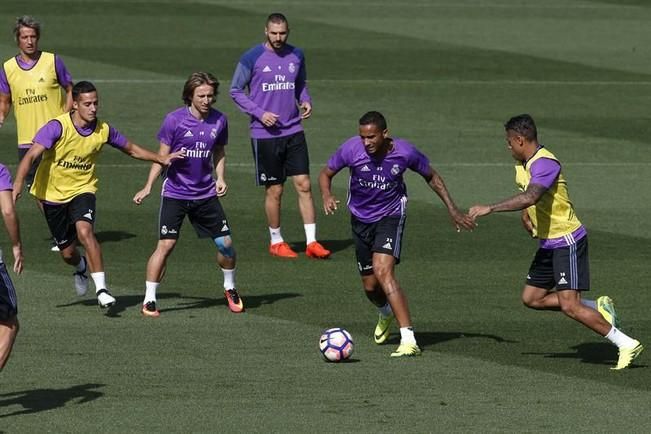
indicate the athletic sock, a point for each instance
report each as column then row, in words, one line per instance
column 589, row 303
column 310, row 233
column 407, row 335
column 229, row 278
column 99, row 279
column 276, row 236
column 81, row 266
column 150, row 291
column 620, row 339
column 385, row 310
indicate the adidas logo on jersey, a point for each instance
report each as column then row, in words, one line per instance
column 42, row 80
column 266, row 69
column 188, row 134
column 365, row 169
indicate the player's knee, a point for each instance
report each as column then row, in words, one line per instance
column 225, row 246
column 165, row 247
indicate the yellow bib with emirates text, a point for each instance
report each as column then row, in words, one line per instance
column 68, row 168
column 36, row 95
column 553, row 216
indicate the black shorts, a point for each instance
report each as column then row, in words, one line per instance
column 61, row 218
column 383, row 236
column 206, row 215
column 29, row 179
column 8, row 302
column 276, row 159
column 563, row 268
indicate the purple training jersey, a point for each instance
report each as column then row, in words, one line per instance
column 376, row 187
column 275, row 82
column 63, row 75
column 51, row 132
column 192, row 177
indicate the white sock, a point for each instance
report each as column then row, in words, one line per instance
column 407, row 335
column 150, row 291
column 276, row 236
column 81, row 266
column 99, row 279
column 385, row 310
column 310, row 233
column 229, row 278
column 620, row 339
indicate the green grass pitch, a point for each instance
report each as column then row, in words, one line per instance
column 447, row 74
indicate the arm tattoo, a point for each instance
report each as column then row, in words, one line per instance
column 529, row 197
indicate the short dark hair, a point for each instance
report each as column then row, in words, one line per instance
column 374, row 118
column 82, row 87
column 27, row 21
column 277, row 18
column 524, row 125
column 195, row 80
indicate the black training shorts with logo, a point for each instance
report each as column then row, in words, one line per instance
column 382, row 236
column 206, row 215
column 277, row 158
column 562, row 268
column 61, row 218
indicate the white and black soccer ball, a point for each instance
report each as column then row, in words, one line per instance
column 336, row 345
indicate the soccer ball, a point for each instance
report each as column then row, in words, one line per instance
column 336, row 344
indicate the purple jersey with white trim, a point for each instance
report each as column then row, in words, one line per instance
column 63, row 75
column 51, row 132
column 192, row 177
column 276, row 81
column 376, row 187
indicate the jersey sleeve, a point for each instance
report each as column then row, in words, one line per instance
column 166, row 131
column 5, row 179
column 63, row 75
column 544, row 171
column 302, row 94
column 418, row 162
column 116, row 139
column 222, row 138
column 48, row 134
column 4, row 82
column 340, row 159
column 240, row 83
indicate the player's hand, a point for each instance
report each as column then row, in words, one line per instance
column 462, row 221
column 18, row 259
column 306, row 108
column 330, row 205
column 479, row 211
column 17, row 192
column 221, row 187
column 527, row 224
column 141, row 195
column 269, row 119
column 167, row 159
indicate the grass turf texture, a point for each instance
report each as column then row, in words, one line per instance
column 446, row 75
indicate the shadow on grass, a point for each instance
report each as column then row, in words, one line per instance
column 37, row 400
column 426, row 339
column 186, row 303
column 111, row 236
column 597, row 353
column 332, row 245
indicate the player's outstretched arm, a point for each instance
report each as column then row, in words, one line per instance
column 35, row 151
column 460, row 220
column 154, row 173
column 520, row 201
column 325, row 185
column 140, row 153
column 13, row 228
